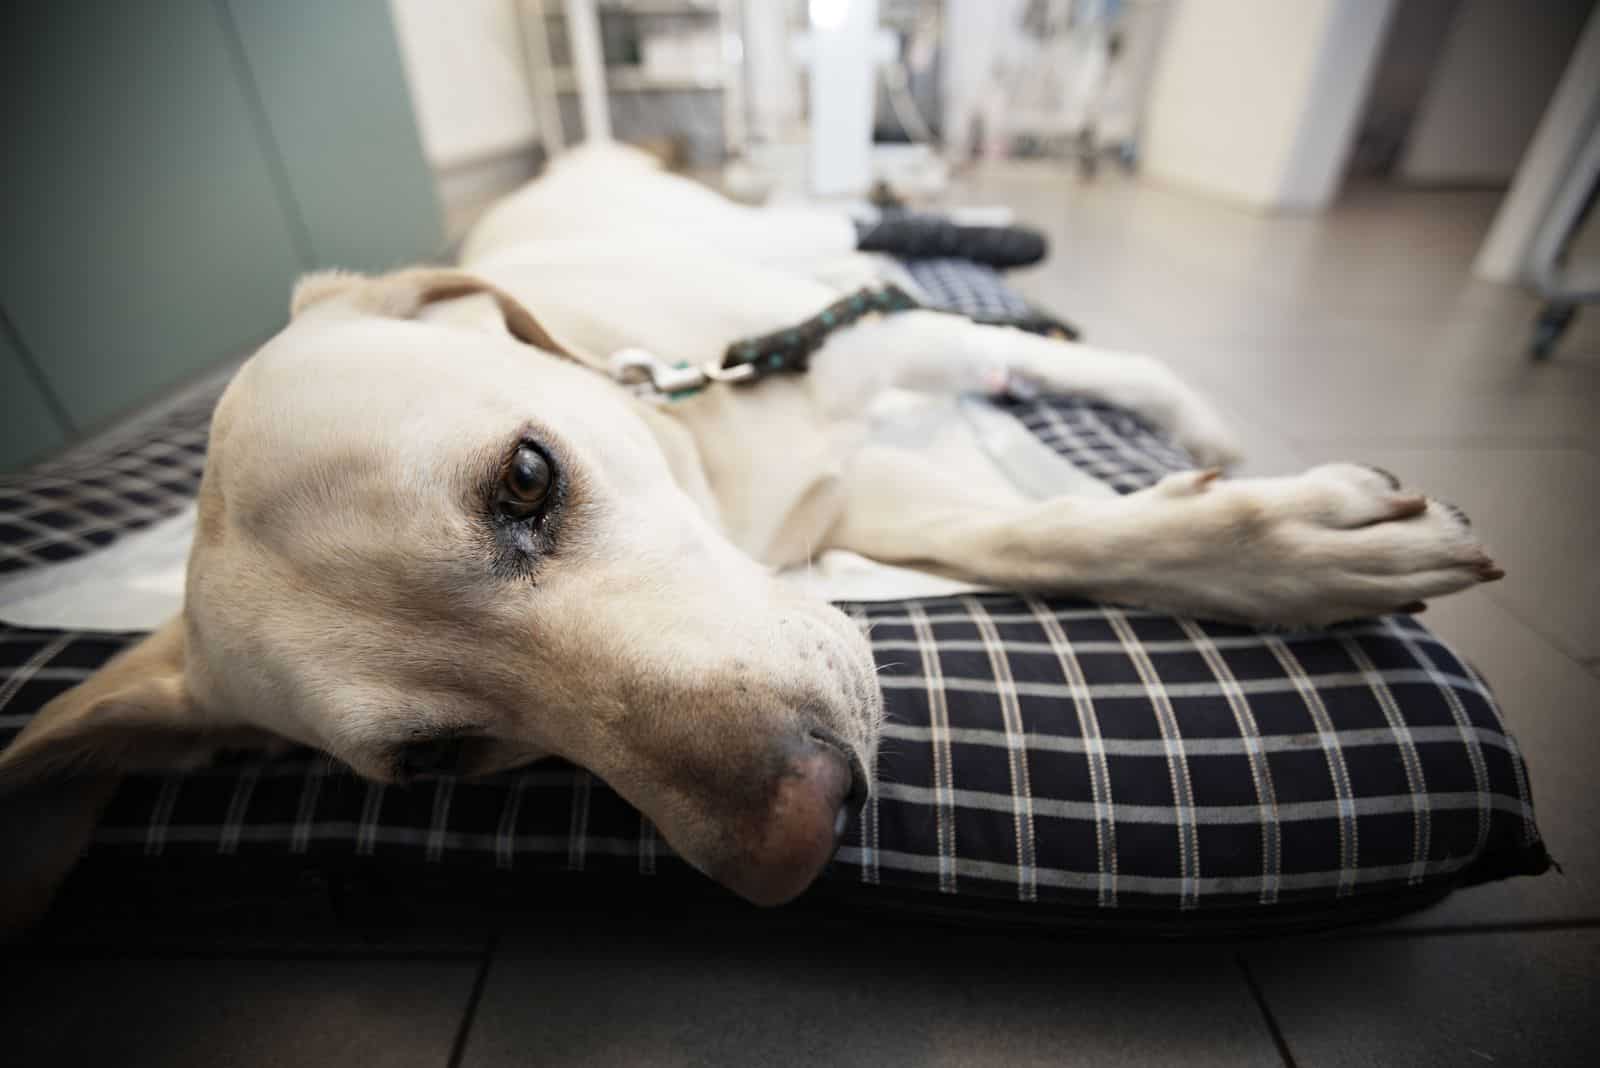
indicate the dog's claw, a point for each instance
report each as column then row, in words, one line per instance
column 1490, row 573
column 1460, row 515
column 1414, row 608
column 1388, row 476
column 1185, row 483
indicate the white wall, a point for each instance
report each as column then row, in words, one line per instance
column 1257, row 100
column 1545, row 176
column 464, row 63
column 1411, row 49
column 1499, row 66
column 1352, row 40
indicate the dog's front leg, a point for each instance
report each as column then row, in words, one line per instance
column 933, row 352
column 1337, row 542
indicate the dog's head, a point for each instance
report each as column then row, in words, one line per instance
column 425, row 548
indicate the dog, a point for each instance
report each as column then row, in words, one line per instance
column 435, row 534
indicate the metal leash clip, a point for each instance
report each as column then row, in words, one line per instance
column 645, row 372
column 739, row 372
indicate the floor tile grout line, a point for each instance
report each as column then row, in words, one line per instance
column 363, row 955
column 458, row 1046
column 1279, row 1042
column 1443, row 442
column 1452, row 930
column 1556, row 645
column 484, row 955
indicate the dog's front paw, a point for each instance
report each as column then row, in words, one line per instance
column 1341, row 541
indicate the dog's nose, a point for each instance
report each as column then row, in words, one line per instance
column 815, row 799
column 856, row 795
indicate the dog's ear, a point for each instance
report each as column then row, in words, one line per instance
column 134, row 714
column 404, row 294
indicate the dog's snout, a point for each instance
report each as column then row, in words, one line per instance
column 793, row 706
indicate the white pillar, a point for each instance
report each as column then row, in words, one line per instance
column 842, row 70
column 1258, row 100
column 771, row 75
column 541, row 77
column 589, row 68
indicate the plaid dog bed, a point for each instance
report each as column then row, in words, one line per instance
column 1070, row 758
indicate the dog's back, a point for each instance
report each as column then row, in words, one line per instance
column 610, row 191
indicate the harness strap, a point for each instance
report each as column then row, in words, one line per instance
column 790, row 350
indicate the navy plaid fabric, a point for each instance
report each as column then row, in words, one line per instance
column 1047, row 752
column 1112, row 444
column 969, row 288
column 1057, row 753
column 87, row 498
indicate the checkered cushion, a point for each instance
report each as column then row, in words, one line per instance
column 1109, row 443
column 84, row 500
column 969, row 288
column 1068, row 757
column 1048, row 752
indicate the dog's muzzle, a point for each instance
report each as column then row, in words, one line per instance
column 817, row 797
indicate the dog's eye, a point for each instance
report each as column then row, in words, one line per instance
column 525, row 484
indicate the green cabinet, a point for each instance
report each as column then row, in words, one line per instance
column 334, row 94
column 169, row 169
column 29, row 424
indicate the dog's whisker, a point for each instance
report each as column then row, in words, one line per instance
column 811, row 567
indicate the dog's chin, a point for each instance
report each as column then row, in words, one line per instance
column 771, row 887
column 791, row 863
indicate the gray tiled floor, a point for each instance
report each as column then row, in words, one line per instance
column 1490, row 998
column 752, row 989
column 1357, row 335
column 288, row 1013
column 1361, row 335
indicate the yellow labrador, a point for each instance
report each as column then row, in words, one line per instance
column 434, row 536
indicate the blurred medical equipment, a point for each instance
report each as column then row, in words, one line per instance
column 1063, row 79
column 646, row 71
column 1562, row 284
column 835, row 98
